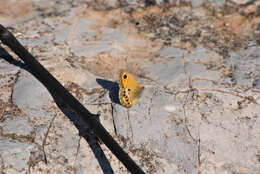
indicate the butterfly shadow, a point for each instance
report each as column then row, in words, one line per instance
column 112, row 87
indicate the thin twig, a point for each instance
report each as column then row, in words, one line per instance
column 45, row 138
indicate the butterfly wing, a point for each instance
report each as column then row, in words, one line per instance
column 127, row 80
column 124, row 97
column 130, row 90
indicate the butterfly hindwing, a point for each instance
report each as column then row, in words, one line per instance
column 124, row 97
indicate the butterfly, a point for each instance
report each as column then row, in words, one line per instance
column 129, row 90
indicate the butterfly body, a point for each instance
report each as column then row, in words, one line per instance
column 130, row 90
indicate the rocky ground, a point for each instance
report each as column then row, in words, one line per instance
column 198, row 60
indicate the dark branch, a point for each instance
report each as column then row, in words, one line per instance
column 51, row 83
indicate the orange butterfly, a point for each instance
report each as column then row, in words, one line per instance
column 130, row 90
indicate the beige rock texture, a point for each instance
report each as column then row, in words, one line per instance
column 199, row 64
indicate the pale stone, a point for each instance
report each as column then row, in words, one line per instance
column 240, row 2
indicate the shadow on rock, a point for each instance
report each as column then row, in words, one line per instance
column 84, row 129
column 112, row 87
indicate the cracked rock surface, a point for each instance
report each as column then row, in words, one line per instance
column 199, row 64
